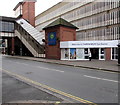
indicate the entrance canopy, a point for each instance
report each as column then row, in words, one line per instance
column 89, row 44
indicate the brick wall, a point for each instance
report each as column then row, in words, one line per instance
column 29, row 12
column 63, row 34
column 67, row 34
column 108, row 53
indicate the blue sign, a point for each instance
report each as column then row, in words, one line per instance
column 52, row 38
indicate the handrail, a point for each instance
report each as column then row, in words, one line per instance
column 35, row 45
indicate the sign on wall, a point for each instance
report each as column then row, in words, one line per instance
column 89, row 44
column 52, row 38
column 73, row 53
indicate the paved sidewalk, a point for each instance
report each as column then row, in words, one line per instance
column 94, row 64
column 17, row 91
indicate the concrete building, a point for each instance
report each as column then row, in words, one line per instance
column 98, row 21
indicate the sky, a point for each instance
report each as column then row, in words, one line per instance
column 6, row 6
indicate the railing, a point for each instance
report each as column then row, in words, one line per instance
column 32, row 42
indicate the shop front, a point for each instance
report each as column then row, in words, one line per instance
column 79, row 50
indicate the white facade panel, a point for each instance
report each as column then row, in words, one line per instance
column 89, row 44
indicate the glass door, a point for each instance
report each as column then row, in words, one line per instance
column 114, row 53
column 101, row 54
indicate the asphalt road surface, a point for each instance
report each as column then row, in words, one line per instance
column 91, row 85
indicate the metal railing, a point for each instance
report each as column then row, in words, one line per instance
column 32, row 42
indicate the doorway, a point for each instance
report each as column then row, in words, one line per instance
column 95, row 53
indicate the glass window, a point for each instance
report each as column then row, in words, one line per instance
column 3, row 26
column 11, row 27
column 102, row 50
column 102, row 57
column 7, row 26
column 0, row 26
column 114, row 53
column 86, row 55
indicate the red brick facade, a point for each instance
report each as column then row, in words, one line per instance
column 67, row 34
column 108, row 53
column 28, row 12
column 63, row 34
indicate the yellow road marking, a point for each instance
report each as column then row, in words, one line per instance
column 51, row 89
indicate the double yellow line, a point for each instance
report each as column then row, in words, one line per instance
column 51, row 89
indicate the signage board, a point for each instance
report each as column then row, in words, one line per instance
column 52, row 38
column 89, row 44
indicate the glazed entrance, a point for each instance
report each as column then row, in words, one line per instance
column 95, row 53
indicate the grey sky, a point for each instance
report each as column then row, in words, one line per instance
column 6, row 6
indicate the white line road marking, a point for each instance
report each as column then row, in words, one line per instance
column 100, row 78
column 39, row 67
column 22, row 63
column 50, row 69
column 18, row 63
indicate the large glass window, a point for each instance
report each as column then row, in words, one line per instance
column 11, row 27
column 80, row 53
column 0, row 26
column 86, row 55
column 114, row 53
column 7, row 26
column 101, row 54
column 65, row 54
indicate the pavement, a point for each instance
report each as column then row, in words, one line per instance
column 15, row 91
column 111, row 66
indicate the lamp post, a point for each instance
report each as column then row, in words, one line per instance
column 119, row 54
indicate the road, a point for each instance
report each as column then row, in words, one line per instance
column 89, row 85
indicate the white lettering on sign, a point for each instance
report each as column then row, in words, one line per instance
column 89, row 44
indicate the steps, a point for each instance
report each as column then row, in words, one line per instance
column 30, row 37
column 31, row 30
